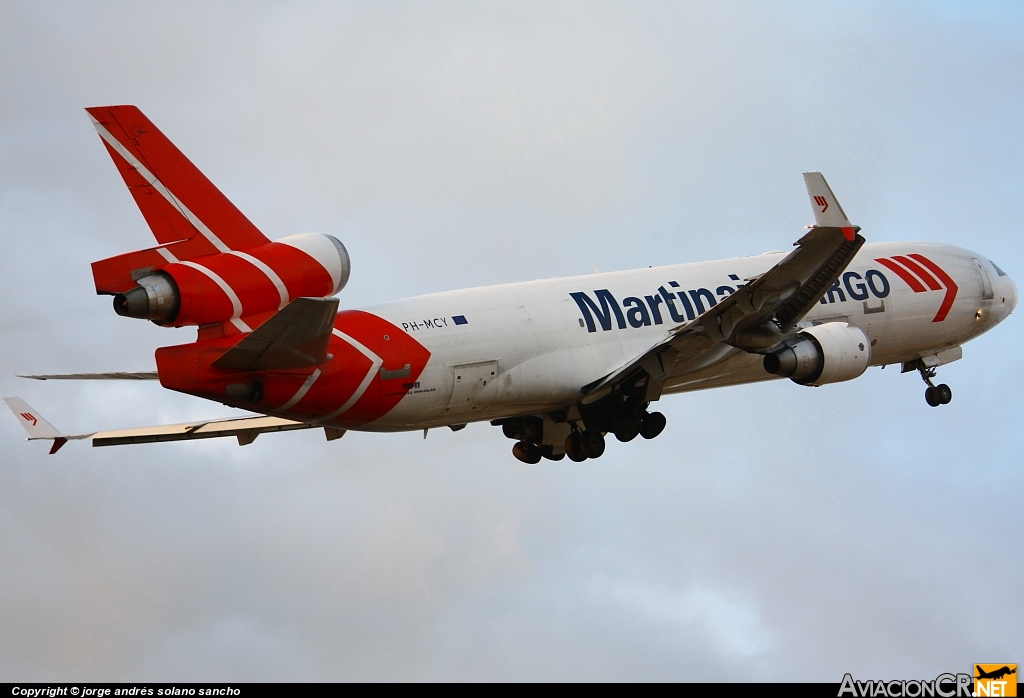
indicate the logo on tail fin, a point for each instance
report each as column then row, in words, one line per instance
column 821, row 201
column 29, row 417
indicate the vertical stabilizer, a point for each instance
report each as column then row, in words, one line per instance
column 176, row 199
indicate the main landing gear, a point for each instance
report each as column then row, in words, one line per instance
column 934, row 395
column 580, row 444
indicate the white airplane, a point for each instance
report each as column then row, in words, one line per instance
column 558, row 363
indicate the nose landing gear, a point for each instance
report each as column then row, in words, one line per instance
column 934, row 395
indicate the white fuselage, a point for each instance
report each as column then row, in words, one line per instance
column 530, row 347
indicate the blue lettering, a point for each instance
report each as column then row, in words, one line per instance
column 604, row 313
column 684, row 300
column 654, row 301
column 724, row 291
column 669, row 297
column 870, row 275
column 835, row 289
column 858, row 291
column 637, row 315
column 700, row 293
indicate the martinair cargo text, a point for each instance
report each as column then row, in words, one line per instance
column 558, row 364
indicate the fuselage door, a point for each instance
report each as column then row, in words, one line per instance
column 986, row 280
column 474, row 387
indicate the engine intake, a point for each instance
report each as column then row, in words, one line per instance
column 828, row 353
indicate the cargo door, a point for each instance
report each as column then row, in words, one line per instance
column 474, row 387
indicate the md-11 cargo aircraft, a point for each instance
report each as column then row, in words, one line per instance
column 558, row 364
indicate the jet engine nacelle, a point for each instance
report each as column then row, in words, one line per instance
column 220, row 287
column 828, row 353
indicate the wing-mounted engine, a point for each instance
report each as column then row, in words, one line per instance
column 226, row 286
column 828, row 353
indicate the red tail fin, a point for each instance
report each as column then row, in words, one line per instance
column 176, row 199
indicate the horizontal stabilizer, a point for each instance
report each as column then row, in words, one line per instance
column 296, row 336
column 117, row 376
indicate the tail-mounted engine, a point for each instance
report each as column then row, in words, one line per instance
column 828, row 353
column 216, row 288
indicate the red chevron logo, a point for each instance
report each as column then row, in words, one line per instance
column 29, row 417
column 918, row 271
column 821, row 201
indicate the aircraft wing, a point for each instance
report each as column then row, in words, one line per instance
column 759, row 314
column 245, row 429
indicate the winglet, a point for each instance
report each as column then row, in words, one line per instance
column 35, row 425
column 827, row 211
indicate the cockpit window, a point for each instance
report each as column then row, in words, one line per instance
column 996, row 267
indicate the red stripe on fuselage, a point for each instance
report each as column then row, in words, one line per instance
column 920, row 271
column 911, row 280
column 951, row 287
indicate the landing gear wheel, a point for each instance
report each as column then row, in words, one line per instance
column 653, row 424
column 627, row 429
column 527, row 453
column 592, row 444
column 572, row 448
column 935, row 395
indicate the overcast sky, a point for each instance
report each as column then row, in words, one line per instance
column 771, row 532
